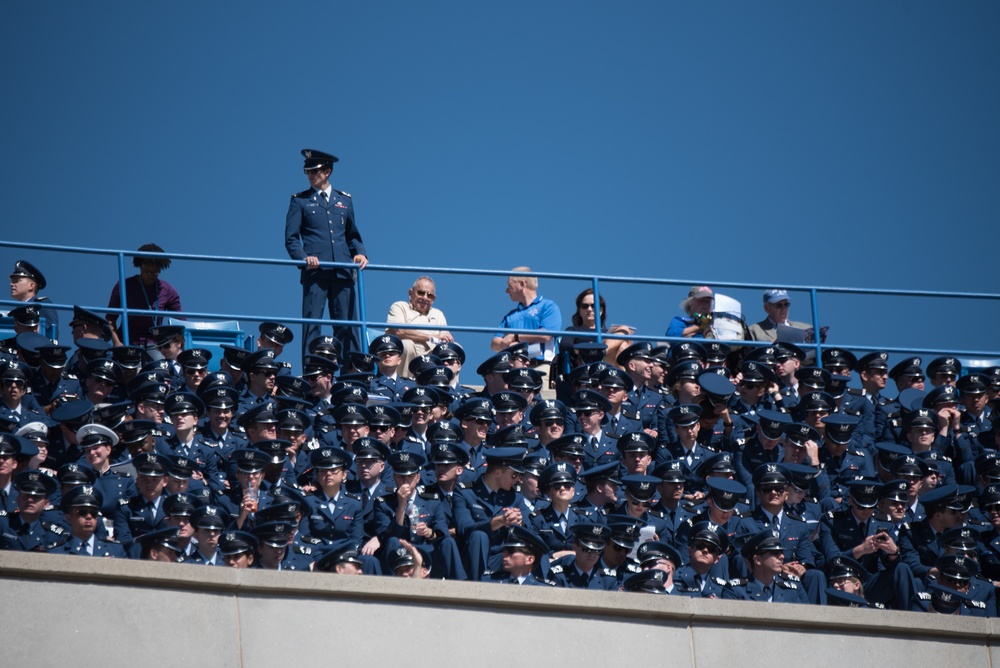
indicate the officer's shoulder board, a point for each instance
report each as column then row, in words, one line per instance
column 786, row 583
column 789, row 576
column 975, row 604
column 425, row 493
column 341, row 192
column 356, row 497
column 631, row 415
column 924, row 595
column 719, row 581
column 737, row 582
column 856, row 452
column 556, row 569
column 53, row 528
column 301, row 549
column 856, row 391
column 311, row 540
column 795, row 516
column 304, row 193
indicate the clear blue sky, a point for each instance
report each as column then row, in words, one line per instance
column 848, row 143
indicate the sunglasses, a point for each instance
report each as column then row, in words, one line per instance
column 590, row 550
column 585, row 412
column 700, row 546
column 426, row 294
column 452, row 361
column 561, row 485
column 587, row 307
column 14, row 382
column 636, row 502
column 86, row 512
column 773, row 489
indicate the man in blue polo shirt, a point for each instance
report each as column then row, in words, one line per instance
column 532, row 312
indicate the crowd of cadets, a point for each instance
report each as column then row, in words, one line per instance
column 693, row 470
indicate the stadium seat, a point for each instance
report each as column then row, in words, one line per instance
column 211, row 336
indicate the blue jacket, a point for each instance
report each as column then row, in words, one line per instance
column 325, row 230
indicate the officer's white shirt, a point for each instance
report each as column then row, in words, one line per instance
column 328, row 191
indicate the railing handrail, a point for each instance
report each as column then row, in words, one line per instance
column 595, row 279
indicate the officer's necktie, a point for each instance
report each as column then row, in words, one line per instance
column 614, row 424
column 366, row 496
column 325, row 197
column 767, row 593
column 562, row 523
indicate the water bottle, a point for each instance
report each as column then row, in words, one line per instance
column 414, row 514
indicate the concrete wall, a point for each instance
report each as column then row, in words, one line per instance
column 76, row 611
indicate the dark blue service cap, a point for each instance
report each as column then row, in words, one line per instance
column 720, row 462
column 263, row 413
column 317, row 159
column 512, row 458
column 584, row 400
column 82, row 496
column 873, row 360
column 250, row 460
column 73, row 411
column 371, row 448
column 276, row 333
column 508, row 402
column 104, row 369
column 592, row 536
column 945, row 600
column 944, row 365
column 76, row 474
column 330, row 458
column 757, row 372
column 32, row 481
column 262, row 360
column 946, row 394
column 613, row 377
column 423, row 396
column 184, row 402
column 974, row 383
column 383, row 415
column 842, row 566
column 274, row 448
column 407, row 463
column 800, row 476
column 342, row 551
column 864, row 492
column 837, row 358
column 636, row 441
column 449, row 454
column 445, row 430
column 689, row 369
column 799, row 434
column 520, row 538
column 28, row 315
column 770, row 474
column 54, row 356
column 23, row 268
column 194, row 358
column 568, row 445
column 812, row 378
column 325, row 345
column 92, row 348
column 772, row 423
column 840, row 427
column 522, row 379
column 387, row 343
column 237, row 542
column 163, row 538
column 684, row 415
column 716, row 385
column 607, row 471
column 164, row 334
column 672, row 471
column 439, row 377
column 641, row 487
column 234, row 355
column 499, row 363
column 449, row 350
column 725, row 493
column 209, row 517
column 768, row 540
column 180, row 505
column 710, row 532
column 906, row 367
column 652, row 551
column 547, row 409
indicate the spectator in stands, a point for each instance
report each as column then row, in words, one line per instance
column 144, row 291
column 697, row 319
column 26, row 281
column 418, row 310
column 532, row 312
column 776, row 305
column 319, row 227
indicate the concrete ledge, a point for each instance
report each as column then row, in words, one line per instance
column 255, row 617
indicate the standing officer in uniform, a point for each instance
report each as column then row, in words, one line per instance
column 319, row 227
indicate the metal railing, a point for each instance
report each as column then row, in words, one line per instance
column 595, row 280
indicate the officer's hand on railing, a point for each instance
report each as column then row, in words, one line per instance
column 361, row 261
column 312, row 262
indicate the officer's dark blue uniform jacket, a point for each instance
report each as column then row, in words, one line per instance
column 37, row 536
column 784, row 589
column 545, row 523
column 323, row 230
column 695, row 586
column 334, row 521
column 565, row 574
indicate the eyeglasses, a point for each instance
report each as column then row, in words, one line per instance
column 195, row 372
column 562, row 485
column 86, row 512
column 590, row 550
column 752, row 385
column 585, row 412
column 381, row 427
column 587, row 307
column 782, row 305
column 14, row 382
column 549, row 423
column 451, row 362
column 426, row 294
column 773, row 489
column 700, row 546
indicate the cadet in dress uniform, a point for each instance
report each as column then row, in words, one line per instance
column 320, row 227
column 25, row 528
column 707, row 544
column 522, row 551
column 553, row 522
column 582, row 569
column 765, row 556
column 81, row 506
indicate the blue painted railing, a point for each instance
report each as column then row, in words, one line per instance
column 596, row 281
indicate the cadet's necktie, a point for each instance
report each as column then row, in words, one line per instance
column 562, row 523
column 614, row 424
column 767, row 593
column 325, row 197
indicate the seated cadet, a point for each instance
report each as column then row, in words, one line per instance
column 244, row 495
column 292, row 426
column 102, row 383
column 801, row 558
column 707, row 544
column 239, row 549
column 161, row 545
column 319, row 372
column 640, row 491
column 842, row 456
column 388, row 349
column 450, row 461
column 51, row 383
column 548, row 419
column 333, row 514
column 974, row 394
column 275, row 336
column 96, row 442
column 169, row 341
column 918, row 544
column 591, row 409
column 179, row 508
column 958, row 573
column 855, row 533
column 423, row 400
column 888, row 416
column 534, row 464
column 143, row 513
column 656, row 556
column 489, row 506
column 755, row 378
column 452, row 356
column 602, row 490
column 261, row 373
column 801, row 500
column 407, row 514
column 788, row 358
column 685, row 421
column 209, row 522
column 370, row 469
column 636, row 451
column 683, row 388
column 801, row 448
column 668, row 510
column 522, row 552
column 343, row 558
column 764, row 446
column 964, row 542
column 720, row 507
column 622, row 418
column 719, row 430
column 919, row 433
column 194, row 365
column 185, row 409
column 582, row 569
column 552, row 522
column 847, row 577
column 81, row 506
column 765, row 556
column 14, row 392
column 616, row 559
column 273, row 548
column 25, row 529
column 849, row 402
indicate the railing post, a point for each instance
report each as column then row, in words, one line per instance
column 362, row 311
column 597, row 311
column 816, row 335
column 124, row 298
